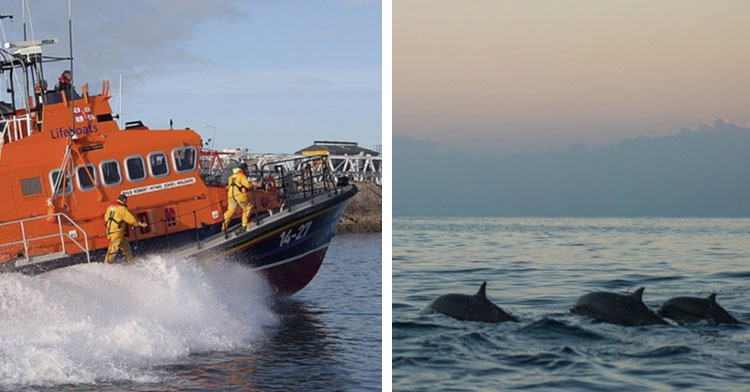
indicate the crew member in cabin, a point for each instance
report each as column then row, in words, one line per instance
column 237, row 187
column 63, row 82
column 40, row 88
column 117, row 218
column 64, row 86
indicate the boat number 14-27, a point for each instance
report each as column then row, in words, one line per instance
column 295, row 234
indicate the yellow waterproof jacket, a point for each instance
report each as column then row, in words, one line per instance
column 238, row 185
column 117, row 218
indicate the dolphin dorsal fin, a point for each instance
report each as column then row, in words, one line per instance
column 482, row 293
column 712, row 298
column 638, row 294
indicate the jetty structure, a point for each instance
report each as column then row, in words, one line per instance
column 344, row 159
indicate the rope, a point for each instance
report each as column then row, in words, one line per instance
column 63, row 168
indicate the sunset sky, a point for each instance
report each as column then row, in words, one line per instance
column 528, row 76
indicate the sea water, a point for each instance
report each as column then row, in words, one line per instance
column 165, row 323
column 535, row 269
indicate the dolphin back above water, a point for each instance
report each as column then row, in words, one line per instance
column 471, row 307
column 627, row 310
column 692, row 309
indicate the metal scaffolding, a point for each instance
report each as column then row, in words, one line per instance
column 355, row 167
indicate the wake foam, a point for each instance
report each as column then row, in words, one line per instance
column 96, row 322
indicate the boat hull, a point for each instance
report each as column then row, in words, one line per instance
column 287, row 248
column 288, row 251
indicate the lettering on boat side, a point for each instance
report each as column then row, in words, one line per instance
column 67, row 132
column 294, row 234
column 159, row 187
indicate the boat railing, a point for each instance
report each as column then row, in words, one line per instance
column 298, row 177
column 13, row 128
column 59, row 217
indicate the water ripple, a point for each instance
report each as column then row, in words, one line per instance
column 535, row 268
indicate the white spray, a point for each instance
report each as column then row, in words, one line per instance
column 96, row 322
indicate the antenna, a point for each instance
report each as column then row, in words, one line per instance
column 72, row 77
column 23, row 16
column 119, row 103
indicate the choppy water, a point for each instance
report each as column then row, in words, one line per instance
column 167, row 324
column 535, row 269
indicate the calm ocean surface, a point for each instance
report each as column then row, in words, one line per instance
column 535, row 269
column 176, row 325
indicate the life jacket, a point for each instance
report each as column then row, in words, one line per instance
column 111, row 211
column 240, row 187
column 237, row 189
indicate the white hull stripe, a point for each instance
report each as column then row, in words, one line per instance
column 289, row 260
column 159, row 187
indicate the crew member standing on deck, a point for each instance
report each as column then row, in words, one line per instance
column 117, row 218
column 238, row 185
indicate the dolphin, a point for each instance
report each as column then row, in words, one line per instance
column 471, row 307
column 691, row 309
column 627, row 310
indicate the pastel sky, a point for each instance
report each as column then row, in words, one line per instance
column 529, row 76
column 270, row 75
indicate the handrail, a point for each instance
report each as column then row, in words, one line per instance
column 18, row 132
column 310, row 173
column 59, row 215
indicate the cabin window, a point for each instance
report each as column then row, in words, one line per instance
column 184, row 159
column 53, row 176
column 31, row 186
column 157, row 163
column 86, row 177
column 135, row 168
column 111, row 173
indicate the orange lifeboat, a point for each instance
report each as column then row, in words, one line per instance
column 64, row 159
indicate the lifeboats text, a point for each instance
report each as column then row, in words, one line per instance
column 67, row 132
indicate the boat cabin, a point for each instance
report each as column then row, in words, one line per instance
column 64, row 159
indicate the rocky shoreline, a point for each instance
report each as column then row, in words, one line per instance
column 364, row 213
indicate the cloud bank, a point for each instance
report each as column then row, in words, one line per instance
column 691, row 174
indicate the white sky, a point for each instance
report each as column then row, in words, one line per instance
column 527, row 76
column 270, row 75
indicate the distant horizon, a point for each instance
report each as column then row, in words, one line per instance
column 703, row 127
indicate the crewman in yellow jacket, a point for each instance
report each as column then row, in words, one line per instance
column 237, row 187
column 117, row 218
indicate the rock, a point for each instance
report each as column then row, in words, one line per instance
column 364, row 213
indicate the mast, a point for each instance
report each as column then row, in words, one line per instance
column 23, row 17
column 70, row 93
column 119, row 104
